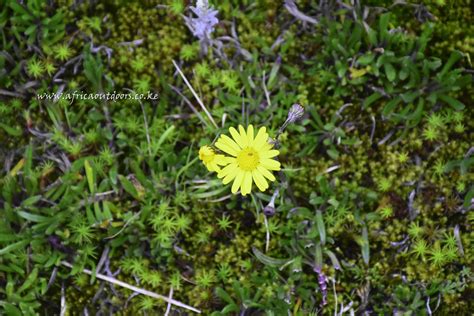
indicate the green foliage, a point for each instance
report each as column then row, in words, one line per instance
column 388, row 67
column 373, row 206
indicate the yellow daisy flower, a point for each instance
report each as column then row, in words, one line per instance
column 210, row 159
column 251, row 159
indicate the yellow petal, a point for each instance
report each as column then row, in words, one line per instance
column 250, row 134
column 266, row 146
column 268, row 153
column 270, row 164
column 267, row 174
column 243, row 136
column 237, row 182
column 247, row 183
column 259, row 180
column 212, row 166
column 223, row 160
column 229, row 142
column 261, row 138
column 227, row 170
column 236, row 136
column 229, row 177
column 230, row 174
column 225, row 148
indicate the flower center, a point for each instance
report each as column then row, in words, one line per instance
column 248, row 159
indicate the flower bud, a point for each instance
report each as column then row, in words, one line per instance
column 295, row 113
column 269, row 210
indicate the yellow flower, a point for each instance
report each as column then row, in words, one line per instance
column 210, row 159
column 250, row 159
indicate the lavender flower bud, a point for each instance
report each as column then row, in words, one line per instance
column 295, row 113
column 269, row 210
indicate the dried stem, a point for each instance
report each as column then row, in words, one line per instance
column 136, row 289
column 195, row 94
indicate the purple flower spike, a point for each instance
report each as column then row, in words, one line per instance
column 203, row 25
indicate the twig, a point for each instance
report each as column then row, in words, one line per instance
column 267, row 94
column 96, row 198
column 267, row 234
column 52, row 278
column 428, row 308
column 12, row 94
column 186, row 100
column 387, row 137
column 168, row 308
column 136, row 289
column 103, row 258
column 335, row 295
column 332, row 168
column 108, row 124
column 457, row 235
column 124, row 226
column 293, row 10
column 63, row 301
column 221, row 198
column 194, row 94
column 373, row 129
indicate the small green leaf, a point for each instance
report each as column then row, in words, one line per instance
column 365, row 245
column 468, row 198
column 366, row 59
column 29, row 280
column 10, row 130
column 371, row 99
column 33, row 217
column 390, row 72
column 383, row 26
column 320, row 225
column 273, row 74
column 416, row 116
column 390, row 106
column 457, row 105
column 333, row 153
column 14, row 246
column 318, row 256
column 341, row 69
column 90, row 176
column 372, row 35
column 222, row 294
column 453, row 58
column 7, row 237
column 333, row 258
column 166, row 135
column 403, row 74
column 128, row 186
column 11, row 310
column 409, row 97
column 269, row 261
column 230, row 309
column 30, row 30
column 31, row 200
